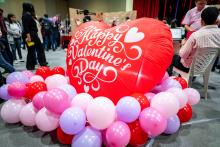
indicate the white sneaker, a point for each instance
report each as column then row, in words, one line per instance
column 16, row 61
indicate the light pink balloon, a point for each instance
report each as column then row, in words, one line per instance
column 38, row 100
column 149, row 96
column 27, row 115
column 56, row 100
column 180, row 94
column 55, row 81
column 46, row 121
column 28, row 73
column 97, row 110
column 193, row 96
column 17, row 89
column 36, row 78
column 166, row 76
column 118, row 134
column 11, row 109
column 82, row 100
column 166, row 103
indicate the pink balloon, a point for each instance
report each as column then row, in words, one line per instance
column 82, row 100
column 180, row 94
column 166, row 103
column 27, row 115
column 17, row 89
column 46, row 121
column 28, row 73
column 169, row 83
column 38, row 100
column 166, row 76
column 149, row 96
column 152, row 122
column 56, row 100
column 36, row 78
column 118, row 134
column 193, row 96
column 11, row 109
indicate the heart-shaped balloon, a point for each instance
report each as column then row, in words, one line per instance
column 115, row 62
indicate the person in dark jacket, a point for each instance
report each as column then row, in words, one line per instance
column 32, row 40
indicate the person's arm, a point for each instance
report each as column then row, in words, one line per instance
column 26, row 20
column 186, row 49
column 186, row 21
column 9, row 30
column 187, row 27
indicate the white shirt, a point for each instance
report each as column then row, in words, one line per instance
column 207, row 36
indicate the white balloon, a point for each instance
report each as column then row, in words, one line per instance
column 36, row 78
column 166, row 103
column 180, row 94
column 55, row 81
column 101, row 113
column 11, row 109
column 82, row 100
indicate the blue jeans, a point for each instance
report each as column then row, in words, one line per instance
column 16, row 47
column 4, row 64
column 49, row 38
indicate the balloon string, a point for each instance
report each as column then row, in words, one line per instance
column 150, row 144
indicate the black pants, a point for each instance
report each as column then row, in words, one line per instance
column 31, row 56
column 176, row 63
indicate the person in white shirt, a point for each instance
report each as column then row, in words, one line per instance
column 14, row 36
column 207, row 36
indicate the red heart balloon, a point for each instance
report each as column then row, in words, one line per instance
column 114, row 62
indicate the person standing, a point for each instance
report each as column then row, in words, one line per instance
column 192, row 19
column 48, row 30
column 33, row 42
column 14, row 36
column 7, row 54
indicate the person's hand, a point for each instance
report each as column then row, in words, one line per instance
column 28, row 39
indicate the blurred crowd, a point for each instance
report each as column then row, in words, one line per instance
column 31, row 34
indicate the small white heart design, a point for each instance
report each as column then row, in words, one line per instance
column 133, row 35
column 86, row 88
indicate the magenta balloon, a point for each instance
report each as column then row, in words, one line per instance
column 152, row 122
column 56, row 100
column 38, row 100
column 17, row 89
column 118, row 134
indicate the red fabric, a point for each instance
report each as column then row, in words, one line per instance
column 147, row 8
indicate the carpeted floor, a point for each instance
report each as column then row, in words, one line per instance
column 201, row 131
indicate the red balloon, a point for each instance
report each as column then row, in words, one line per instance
column 142, row 99
column 138, row 136
column 63, row 137
column 185, row 114
column 182, row 82
column 58, row 70
column 27, row 91
column 43, row 71
column 115, row 62
column 36, row 87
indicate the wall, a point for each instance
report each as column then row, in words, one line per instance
column 52, row 7
column 99, row 5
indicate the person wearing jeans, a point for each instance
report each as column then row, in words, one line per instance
column 14, row 36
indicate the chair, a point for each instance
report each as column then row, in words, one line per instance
column 201, row 65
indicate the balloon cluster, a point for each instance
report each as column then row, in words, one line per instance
column 48, row 101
